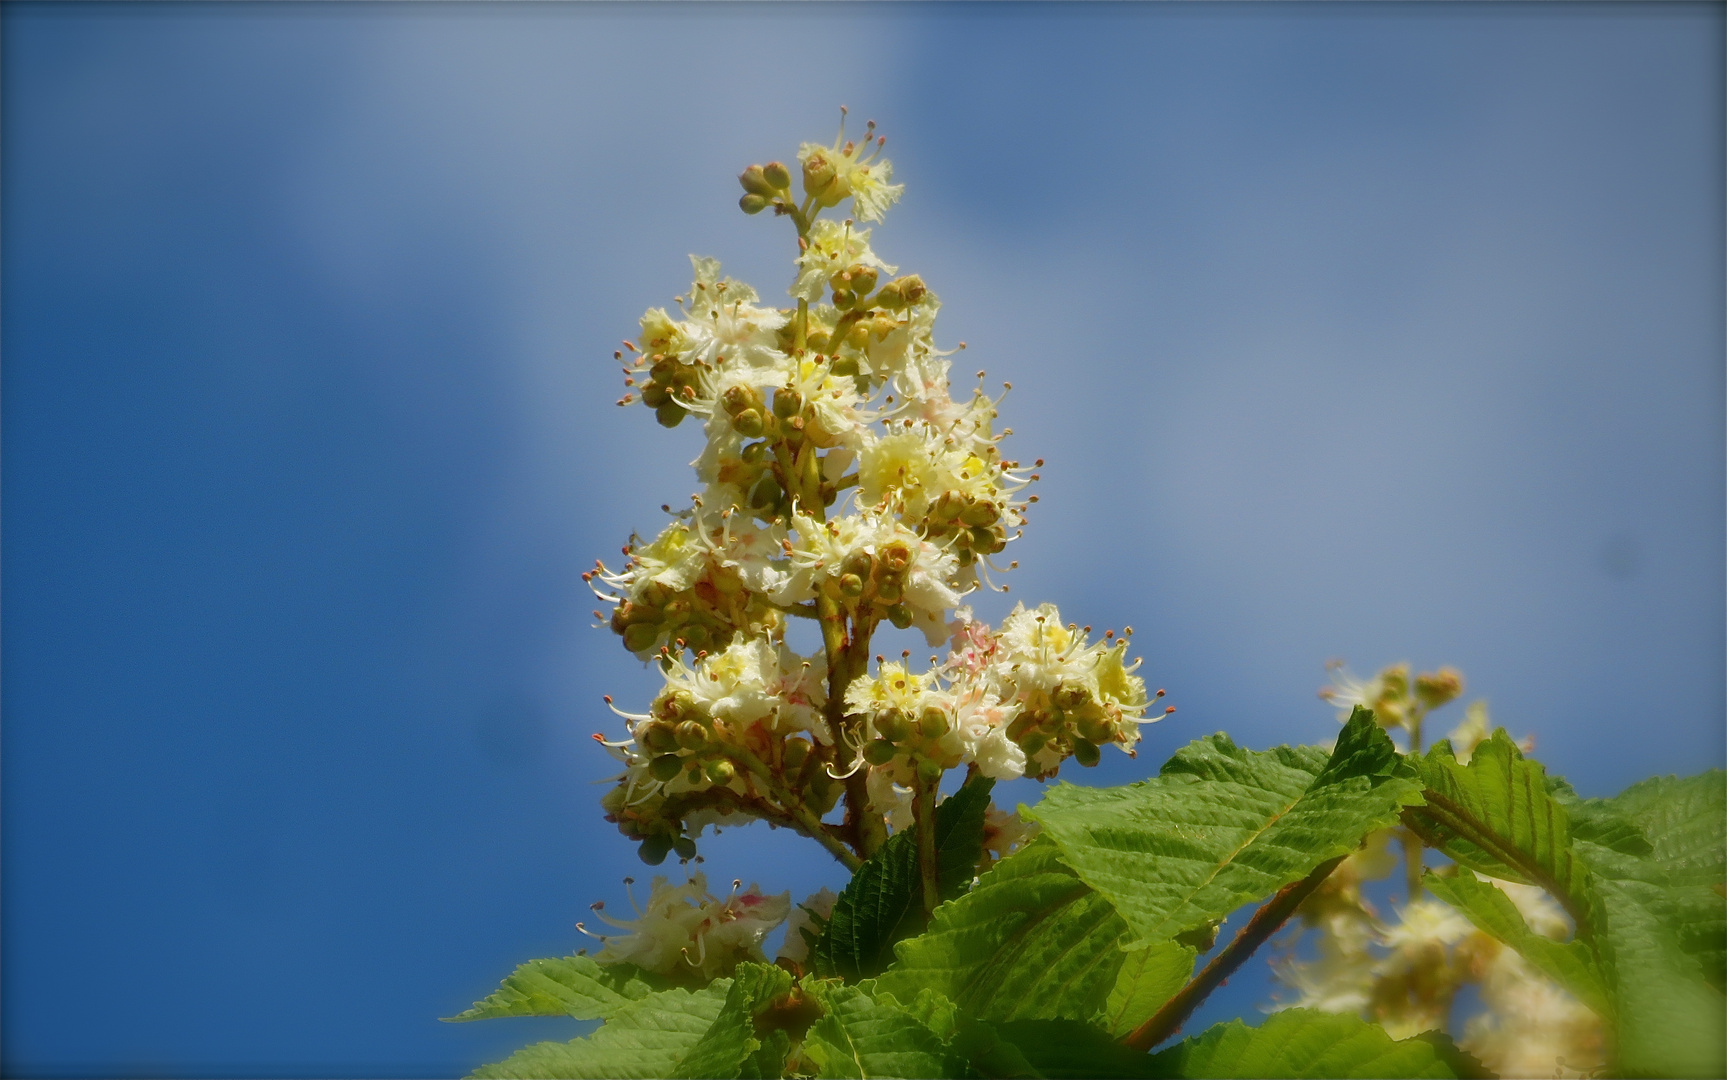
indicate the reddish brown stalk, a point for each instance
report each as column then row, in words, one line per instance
column 1265, row 922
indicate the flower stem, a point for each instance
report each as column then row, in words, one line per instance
column 929, row 870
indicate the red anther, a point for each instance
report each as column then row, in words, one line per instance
column 598, row 737
column 1168, row 709
column 1038, row 464
column 608, row 698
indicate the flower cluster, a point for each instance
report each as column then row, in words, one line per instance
column 1406, row 972
column 842, row 481
column 689, row 935
column 1011, row 703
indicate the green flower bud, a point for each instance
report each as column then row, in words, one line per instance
column 895, row 557
column 1070, row 695
column 844, row 299
column 818, row 173
column 979, row 514
column 748, row 423
column 754, row 180
column 697, row 637
column 899, row 615
column 929, row 771
column 721, row 772
column 1034, row 742
column 982, row 538
column 665, row 767
column 727, row 584
column 739, row 397
column 691, row 735
column 1085, row 752
column 752, row 204
column 817, row 341
column 655, row 849
column 777, row 175
column 795, row 752
column 879, row 752
column 655, row 394
column 893, row 725
column 851, row 586
column 755, row 453
column 640, row 637
column 657, row 739
column 787, row 402
column 932, row 723
column 889, row 591
column 860, row 563
column 765, row 494
column 844, row 365
column 1095, row 729
column 863, row 279
column 670, row 415
column 685, row 847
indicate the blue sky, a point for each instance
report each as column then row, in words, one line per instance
column 1363, row 331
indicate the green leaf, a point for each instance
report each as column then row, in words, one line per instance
column 569, row 986
column 861, row 1037
column 1497, row 817
column 1305, row 1043
column 1654, row 851
column 1571, row 964
column 1150, row 975
column 643, row 1040
column 1031, row 940
column 1670, row 1019
column 731, row 1038
column 1220, row 826
column 1049, row 1048
column 1685, row 822
column 883, row 903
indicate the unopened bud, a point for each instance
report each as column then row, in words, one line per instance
column 655, row 849
column 787, row 402
column 932, row 723
column 796, row 751
column 860, row 563
column 844, row 365
column 777, row 175
column 983, row 539
column 1094, row 728
column 697, row 637
column 665, row 767
column 895, row 557
column 879, row 752
column 685, row 847
column 844, row 298
column 889, row 591
column 899, row 615
column 692, row 735
column 893, row 725
column 670, row 415
column 851, row 586
column 911, row 288
column 739, row 397
column 929, row 771
column 749, row 424
column 721, row 772
column 979, row 514
column 1070, row 695
column 1435, row 688
column 863, row 279
column 1085, row 752
column 657, row 739
column 640, row 637
column 654, row 395
column 752, row 204
column 754, row 180
column 818, row 173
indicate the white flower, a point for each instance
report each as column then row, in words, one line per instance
column 807, row 916
column 833, row 246
column 756, row 681
column 859, row 172
column 980, row 723
column 890, row 799
column 686, row 931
